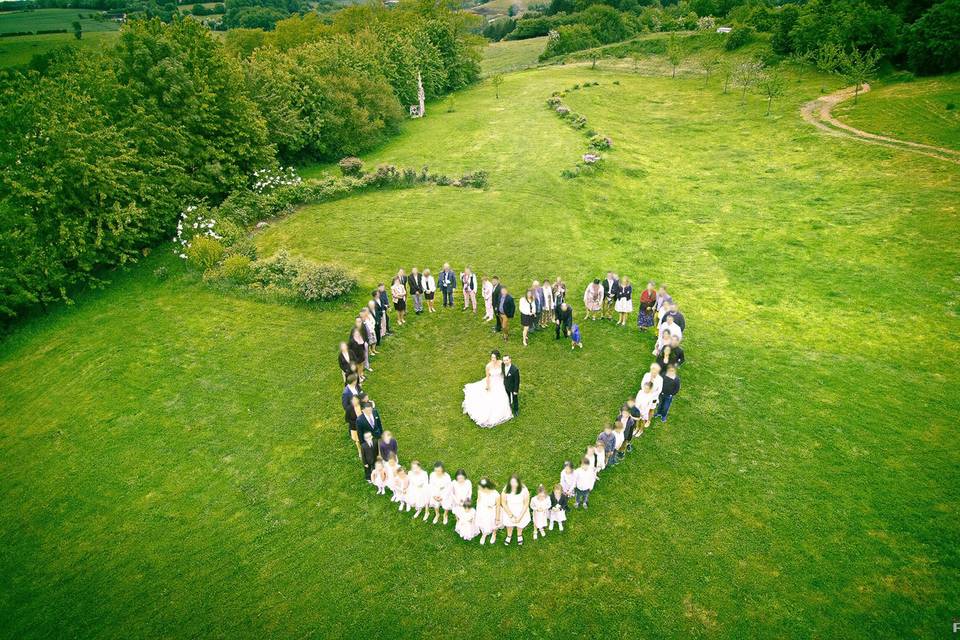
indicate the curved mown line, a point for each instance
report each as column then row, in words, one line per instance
column 818, row 113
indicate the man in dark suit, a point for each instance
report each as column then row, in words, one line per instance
column 384, row 303
column 611, row 287
column 369, row 421
column 376, row 310
column 511, row 382
column 446, row 283
column 416, row 290
column 495, row 299
column 351, row 389
column 505, row 310
column 564, row 320
column 368, row 454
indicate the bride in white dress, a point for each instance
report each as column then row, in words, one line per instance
column 486, row 401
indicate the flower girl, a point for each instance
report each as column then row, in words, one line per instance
column 390, row 468
column 488, row 511
column 540, row 505
column 378, row 477
column 418, row 490
column 400, row 485
column 558, row 507
column 439, row 486
column 461, row 490
column 467, row 521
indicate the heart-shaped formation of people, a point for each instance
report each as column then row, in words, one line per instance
column 543, row 305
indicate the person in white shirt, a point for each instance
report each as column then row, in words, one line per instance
column 487, row 292
column 586, row 477
column 429, row 289
column 669, row 325
column 528, row 313
column 646, row 403
column 654, row 378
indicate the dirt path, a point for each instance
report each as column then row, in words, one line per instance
column 818, row 113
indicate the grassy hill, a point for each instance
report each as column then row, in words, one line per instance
column 47, row 19
column 176, row 463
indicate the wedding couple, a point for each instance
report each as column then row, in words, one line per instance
column 496, row 398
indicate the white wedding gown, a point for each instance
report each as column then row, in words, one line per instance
column 487, row 408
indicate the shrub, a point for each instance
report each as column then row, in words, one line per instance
column 351, row 166
column 740, row 36
column 161, row 273
column 317, row 282
column 553, row 102
column 579, row 121
column 476, row 179
column 563, row 111
column 236, row 268
column 205, row 252
column 600, row 142
column 386, row 174
column 279, row 270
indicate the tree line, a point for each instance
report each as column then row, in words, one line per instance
column 102, row 151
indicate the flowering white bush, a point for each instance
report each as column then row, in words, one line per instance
column 706, row 23
column 264, row 180
column 591, row 158
column 194, row 221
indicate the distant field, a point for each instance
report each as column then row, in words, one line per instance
column 914, row 111
column 18, row 51
column 46, row 19
column 496, row 8
column 511, row 55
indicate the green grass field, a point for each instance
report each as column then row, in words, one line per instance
column 914, row 111
column 44, row 19
column 18, row 51
column 175, row 461
column 512, row 55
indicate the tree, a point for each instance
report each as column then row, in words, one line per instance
column 674, row 53
column 636, row 61
column 726, row 69
column 860, row 24
column 772, row 85
column 745, row 76
column 497, row 81
column 829, row 57
column 801, row 60
column 858, row 67
column 77, row 30
column 933, row 42
column 707, row 62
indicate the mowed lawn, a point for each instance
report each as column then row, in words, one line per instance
column 19, row 50
column 925, row 110
column 512, row 55
column 176, row 464
column 45, row 19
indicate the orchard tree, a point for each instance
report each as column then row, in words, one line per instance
column 727, row 69
column 674, row 54
column 707, row 62
column 772, row 85
column 857, row 67
column 497, row 81
column 77, row 30
column 745, row 76
column 801, row 60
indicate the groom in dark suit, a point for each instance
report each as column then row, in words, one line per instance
column 511, row 382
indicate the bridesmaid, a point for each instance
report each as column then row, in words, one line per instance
column 624, row 303
column 488, row 511
column 358, row 350
column 515, row 508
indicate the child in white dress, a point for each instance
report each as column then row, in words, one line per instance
column 540, row 505
column 400, row 485
column 558, row 507
column 378, row 477
column 418, row 490
column 467, row 521
column 439, row 486
column 461, row 490
column 567, row 481
column 390, row 468
column 488, row 511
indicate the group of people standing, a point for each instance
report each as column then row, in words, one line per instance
column 511, row 507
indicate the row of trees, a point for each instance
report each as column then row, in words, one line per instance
column 102, row 151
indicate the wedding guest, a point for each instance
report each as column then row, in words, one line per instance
column 624, row 303
column 662, row 305
column 495, row 299
column 352, row 413
column 514, row 508
column 388, row 445
column 391, row 467
column 357, row 347
column 619, row 441
column 378, row 477
column 648, row 299
column 610, row 289
column 359, row 324
column 369, row 422
column 370, row 332
column 568, row 480
column 385, row 305
column 678, row 350
column 416, row 290
column 669, row 324
column 447, row 282
column 564, row 320
column 439, row 485
column 540, row 507
column 527, row 313
column 402, row 277
column 671, row 387
column 469, row 283
column 466, row 526
column 597, row 453
column 368, row 454
column 678, row 318
column 585, row 478
column 460, row 491
column 345, row 360
column 488, row 511
column 558, row 507
column 629, row 420
column 401, row 489
column 538, row 304
column 593, row 299
column 505, row 310
column 647, row 403
column 609, row 443
column 418, row 491
column 429, row 289
column 663, row 339
column 548, row 304
column 667, row 358
column 575, row 338
column 486, row 292
column 559, row 292
column 373, row 322
column 654, row 378
column 399, row 293
column 380, row 313
column 350, row 390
